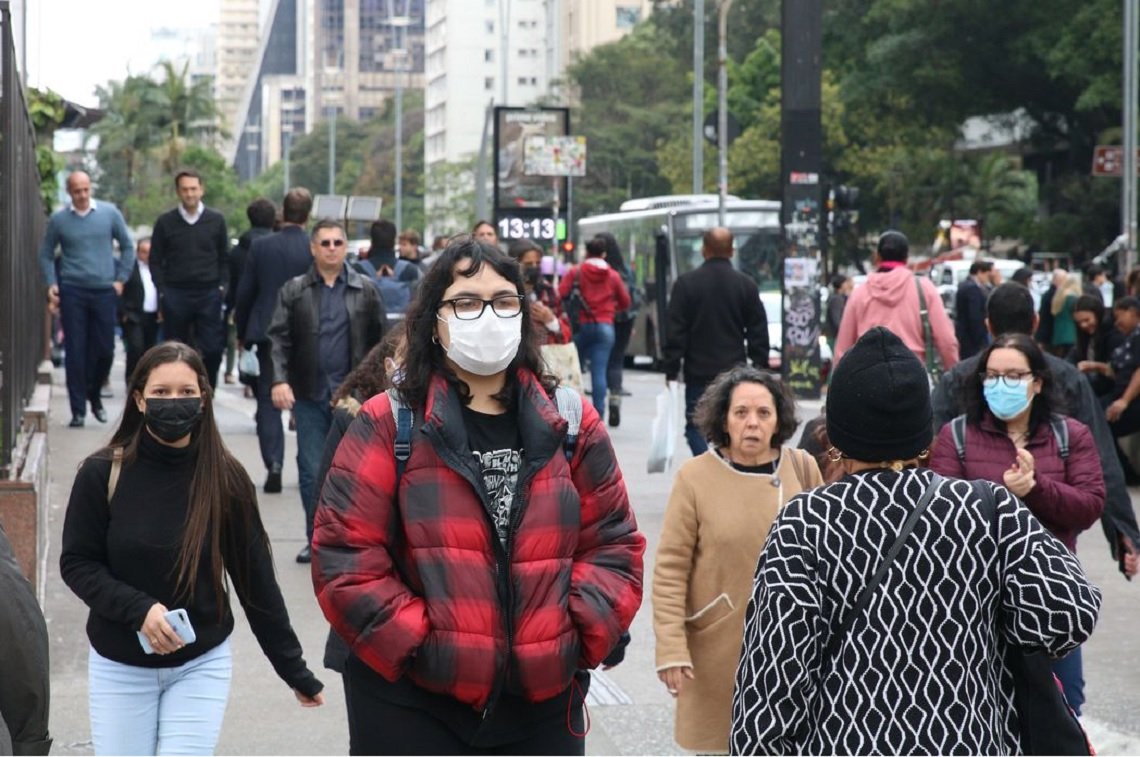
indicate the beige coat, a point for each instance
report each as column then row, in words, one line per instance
column 715, row 525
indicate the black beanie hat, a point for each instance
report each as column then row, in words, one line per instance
column 878, row 404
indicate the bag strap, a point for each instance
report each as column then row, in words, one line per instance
column 958, row 432
column 1061, row 434
column 116, row 469
column 403, row 444
column 841, row 629
column 927, row 332
column 797, row 466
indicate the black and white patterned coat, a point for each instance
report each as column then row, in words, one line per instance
column 920, row 672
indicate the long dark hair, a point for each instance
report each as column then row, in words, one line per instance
column 369, row 378
column 1091, row 303
column 1044, row 404
column 425, row 356
column 613, row 252
column 219, row 485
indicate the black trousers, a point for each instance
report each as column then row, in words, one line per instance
column 194, row 316
column 377, row 726
column 140, row 333
column 622, row 331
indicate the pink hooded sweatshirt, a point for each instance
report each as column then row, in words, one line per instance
column 891, row 299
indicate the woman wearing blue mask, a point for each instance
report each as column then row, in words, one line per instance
column 1012, row 434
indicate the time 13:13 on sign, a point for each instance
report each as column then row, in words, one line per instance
column 513, row 227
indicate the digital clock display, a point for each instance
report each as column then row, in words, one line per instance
column 515, row 227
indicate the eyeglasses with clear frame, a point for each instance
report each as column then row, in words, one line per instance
column 471, row 308
column 1012, row 379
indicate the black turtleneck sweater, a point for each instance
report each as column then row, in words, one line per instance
column 121, row 558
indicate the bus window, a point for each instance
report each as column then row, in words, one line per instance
column 758, row 257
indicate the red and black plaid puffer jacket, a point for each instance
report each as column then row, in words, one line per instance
column 419, row 585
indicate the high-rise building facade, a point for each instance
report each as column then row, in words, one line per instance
column 237, row 47
column 503, row 52
column 323, row 57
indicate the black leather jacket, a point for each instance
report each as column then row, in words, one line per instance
column 295, row 328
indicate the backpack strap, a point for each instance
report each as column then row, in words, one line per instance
column 958, row 431
column 116, row 469
column 1061, row 434
column 569, row 407
column 402, row 448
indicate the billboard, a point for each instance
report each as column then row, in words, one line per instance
column 514, row 188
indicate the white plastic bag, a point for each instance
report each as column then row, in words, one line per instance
column 666, row 426
column 248, row 365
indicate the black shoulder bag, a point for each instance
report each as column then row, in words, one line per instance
column 1046, row 723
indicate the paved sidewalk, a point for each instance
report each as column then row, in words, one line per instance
column 631, row 713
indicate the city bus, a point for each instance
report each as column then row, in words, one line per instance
column 663, row 235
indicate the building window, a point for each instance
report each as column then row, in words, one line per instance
column 488, row 56
column 489, row 27
column 489, row 83
column 627, row 16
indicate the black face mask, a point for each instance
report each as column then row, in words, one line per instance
column 172, row 419
column 532, row 275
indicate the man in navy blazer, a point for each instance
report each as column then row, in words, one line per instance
column 273, row 260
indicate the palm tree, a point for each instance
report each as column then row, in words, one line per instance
column 189, row 110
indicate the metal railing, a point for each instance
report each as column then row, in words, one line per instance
column 22, row 223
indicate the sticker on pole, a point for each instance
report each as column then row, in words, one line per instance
column 554, row 156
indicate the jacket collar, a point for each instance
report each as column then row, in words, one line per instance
column 352, row 279
column 537, row 416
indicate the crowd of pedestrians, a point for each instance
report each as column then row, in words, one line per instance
column 472, row 539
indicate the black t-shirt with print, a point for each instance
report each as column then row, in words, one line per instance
column 1125, row 359
column 497, row 445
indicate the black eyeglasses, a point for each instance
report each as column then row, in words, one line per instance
column 471, row 308
column 1012, row 379
column 331, row 243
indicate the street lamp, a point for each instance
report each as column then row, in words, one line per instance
column 287, row 138
column 722, row 107
column 329, row 72
column 400, row 23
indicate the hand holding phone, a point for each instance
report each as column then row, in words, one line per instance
column 165, row 631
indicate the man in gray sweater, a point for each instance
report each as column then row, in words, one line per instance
column 86, row 289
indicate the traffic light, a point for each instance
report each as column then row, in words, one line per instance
column 567, row 251
column 846, row 198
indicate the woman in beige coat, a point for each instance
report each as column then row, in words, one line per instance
column 722, row 504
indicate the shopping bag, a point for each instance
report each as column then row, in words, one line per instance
column 666, row 426
column 249, row 368
column 562, row 361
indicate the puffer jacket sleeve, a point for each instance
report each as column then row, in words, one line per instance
column 1047, row 601
column 781, row 654
column 606, row 577
column 1076, row 503
column 357, row 526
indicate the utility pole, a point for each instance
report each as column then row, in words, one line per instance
column 332, row 149
column 722, row 108
column 698, row 95
column 1130, row 100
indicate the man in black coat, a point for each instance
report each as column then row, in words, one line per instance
column 262, row 213
column 273, row 260
column 1009, row 310
column 190, row 263
column 714, row 312
column 138, row 309
column 970, row 309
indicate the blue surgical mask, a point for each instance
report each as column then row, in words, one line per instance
column 1005, row 401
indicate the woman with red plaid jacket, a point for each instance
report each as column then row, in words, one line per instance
column 478, row 580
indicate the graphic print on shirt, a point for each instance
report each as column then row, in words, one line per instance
column 500, row 478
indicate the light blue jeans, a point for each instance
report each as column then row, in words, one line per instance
column 595, row 341
column 159, row 710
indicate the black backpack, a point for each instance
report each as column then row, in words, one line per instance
column 1056, row 423
column 575, row 305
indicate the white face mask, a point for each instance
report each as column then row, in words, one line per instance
column 486, row 345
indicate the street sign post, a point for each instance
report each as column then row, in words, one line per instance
column 1108, row 160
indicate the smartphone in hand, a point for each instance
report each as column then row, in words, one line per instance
column 179, row 620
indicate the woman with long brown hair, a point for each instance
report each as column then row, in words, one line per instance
column 156, row 522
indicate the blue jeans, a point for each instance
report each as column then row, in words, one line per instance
column 270, row 434
column 159, row 710
column 595, row 341
column 693, row 391
column 88, row 319
column 1070, row 671
column 313, row 422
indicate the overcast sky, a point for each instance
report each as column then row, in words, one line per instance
column 74, row 45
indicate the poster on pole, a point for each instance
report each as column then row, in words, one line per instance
column 554, row 156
